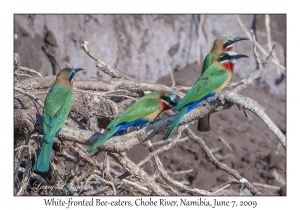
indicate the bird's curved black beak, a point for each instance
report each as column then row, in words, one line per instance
column 78, row 69
column 238, row 56
column 229, row 42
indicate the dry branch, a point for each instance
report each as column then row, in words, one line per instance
column 30, row 70
column 220, row 165
column 171, row 72
column 138, row 172
column 102, row 66
column 282, row 68
column 107, row 182
column 170, row 179
column 255, row 108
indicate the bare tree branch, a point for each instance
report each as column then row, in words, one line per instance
column 170, row 179
column 102, row 66
column 282, row 68
column 255, row 108
column 220, row 165
column 138, row 172
column 22, row 68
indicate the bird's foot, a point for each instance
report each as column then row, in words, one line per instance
column 210, row 99
column 222, row 99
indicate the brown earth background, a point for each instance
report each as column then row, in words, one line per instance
column 137, row 45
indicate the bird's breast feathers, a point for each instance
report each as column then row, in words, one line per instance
column 228, row 66
column 153, row 115
column 164, row 106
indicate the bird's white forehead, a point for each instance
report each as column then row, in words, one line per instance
column 228, row 36
column 232, row 60
column 231, row 53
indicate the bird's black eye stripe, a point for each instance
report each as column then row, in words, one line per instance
column 225, row 57
column 169, row 100
column 72, row 74
column 226, row 44
column 166, row 99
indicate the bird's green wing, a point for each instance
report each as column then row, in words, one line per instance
column 212, row 79
column 207, row 62
column 141, row 108
column 56, row 109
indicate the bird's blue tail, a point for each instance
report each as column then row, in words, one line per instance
column 43, row 161
column 184, row 111
column 105, row 137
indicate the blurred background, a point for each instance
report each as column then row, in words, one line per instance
column 142, row 46
column 138, row 44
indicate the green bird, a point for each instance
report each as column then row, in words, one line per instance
column 57, row 106
column 141, row 113
column 221, row 44
column 214, row 79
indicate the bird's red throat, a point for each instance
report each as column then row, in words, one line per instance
column 165, row 106
column 228, row 65
column 229, row 48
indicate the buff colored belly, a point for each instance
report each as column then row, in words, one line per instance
column 153, row 115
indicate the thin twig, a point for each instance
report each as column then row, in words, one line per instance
column 171, row 72
column 22, row 68
column 268, row 29
column 35, row 176
column 183, row 172
column 138, row 172
column 174, row 182
column 282, row 68
column 165, row 174
column 220, row 165
column 31, row 95
column 82, row 154
column 222, row 188
column 96, row 191
column 255, row 108
column 225, row 143
column 139, row 187
column 25, row 75
column 168, row 141
column 159, row 150
column 102, row 66
column 260, row 67
column 29, row 150
column 107, row 182
column 21, row 157
column 65, row 184
column 266, row 186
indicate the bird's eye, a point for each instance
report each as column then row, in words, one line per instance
column 224, row 57
column 71, row 77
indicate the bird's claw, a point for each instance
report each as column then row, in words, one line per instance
column 222, row 99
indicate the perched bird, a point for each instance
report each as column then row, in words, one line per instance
column 56, row 110
column 141, row 113
column 214, row 79
column 221, row 44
